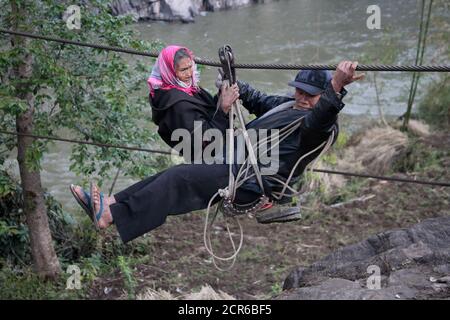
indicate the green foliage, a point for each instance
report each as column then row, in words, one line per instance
column 80, row 93
column 89, row 94
column 341, row 141
column 6, row 186
column 351, row 189
column 76, row 242
column 276, row 289
column 14, row 239
column 24, row 284
column 422, row 158
column 12, row 105
column 34, row 154
column 71, row 239
column 435, row 105
column 330, row 158
column 92, row 266
column 129, row 280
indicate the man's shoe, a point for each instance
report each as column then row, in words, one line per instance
column 279, row 214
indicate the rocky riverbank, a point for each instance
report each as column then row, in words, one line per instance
column 174, row 10
column 410, row 263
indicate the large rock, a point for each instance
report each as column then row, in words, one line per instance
column 173, row 10
column 414, row 263
column 213, row 5
column 167, row 10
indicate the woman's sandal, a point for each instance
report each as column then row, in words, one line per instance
column 84, row 203
column 96, row 216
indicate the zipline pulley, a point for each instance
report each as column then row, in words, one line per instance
column 226, row 58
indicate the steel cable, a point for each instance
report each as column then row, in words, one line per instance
column 207, row 62
column 343, row 173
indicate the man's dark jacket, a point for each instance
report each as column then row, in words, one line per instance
column 317, row 125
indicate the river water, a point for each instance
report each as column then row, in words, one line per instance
column 286, row 31
column 305, row 32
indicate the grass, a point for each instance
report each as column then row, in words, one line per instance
column 129, row 280
column 24, row 284
column 276, row 289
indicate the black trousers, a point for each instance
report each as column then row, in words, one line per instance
column 145, row 205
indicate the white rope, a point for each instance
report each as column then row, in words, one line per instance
column 326, row 145
column 244, row 169
column 253, row 162
column 231, row 184
column 230, row 191
column 207, row 238
column 285, row 132
column 242, row 176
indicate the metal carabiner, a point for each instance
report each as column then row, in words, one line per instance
column 226, row 58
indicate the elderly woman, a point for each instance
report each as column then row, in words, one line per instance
column 177, row 100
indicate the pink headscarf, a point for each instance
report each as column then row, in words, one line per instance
column 163, row 73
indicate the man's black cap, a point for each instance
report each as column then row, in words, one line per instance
column 313, row 82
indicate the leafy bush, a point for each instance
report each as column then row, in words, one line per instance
column 71, row 239
column 435, row 106
column 419, row 157
column 18, row 284
column 14, row 237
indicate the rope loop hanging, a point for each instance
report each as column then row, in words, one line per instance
column 250, row 169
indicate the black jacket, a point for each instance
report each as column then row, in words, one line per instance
column 173, row 109
column 316, row 127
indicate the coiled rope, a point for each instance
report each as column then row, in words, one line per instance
column 242, row 176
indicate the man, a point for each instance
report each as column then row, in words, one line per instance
column 309, row 86
column 145, row 205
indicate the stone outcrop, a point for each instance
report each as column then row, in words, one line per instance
column 412, row 263
column 173, row 10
